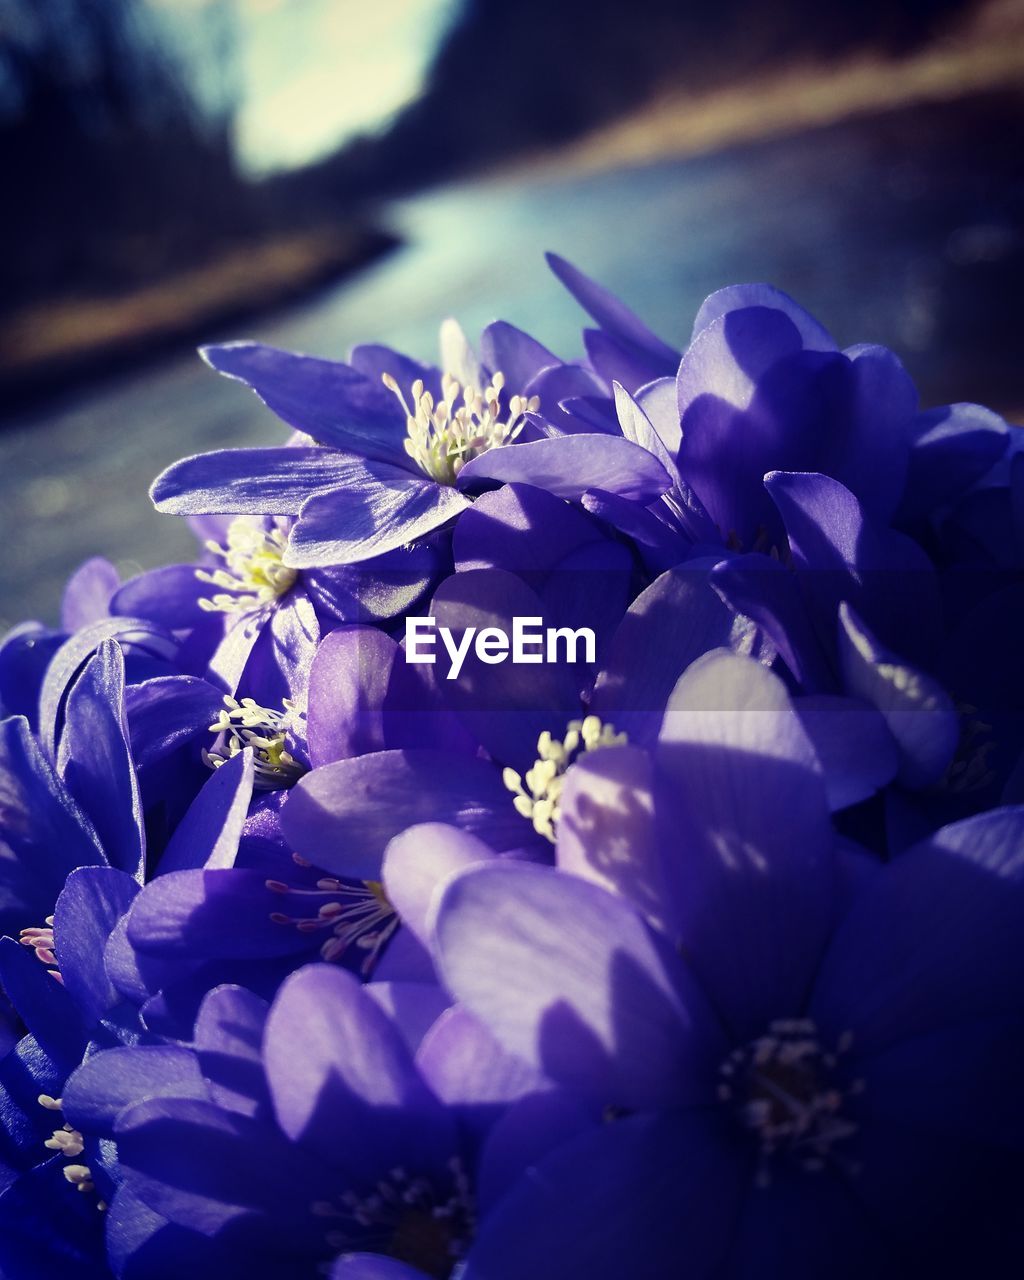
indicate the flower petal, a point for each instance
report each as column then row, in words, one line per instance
column 147, row 649
column 330, row 401
column 817, row 1228
column 167, row 712
column 612, row 315
column 88, row 593
column 108, row 1083
column 606, row 831
column 348, row 684
column 199, row 914
column 568, row 466
column 748, row 848
column 953, row 446
column 470, row 1072
column 646, row 1197
column 45, row 833
column 961, row 1081
column 90, row 904
column 95, row 759
column 46, row 1009
column 228, row 1043
column 342, row 815
column 933, row 941
column 521, row 529
column 768, row 593
column 737, row 296
column 674, row 621
column 373, row 1266
column 917, row 710
column 514, row 353
column 343, row 1082
column 853, row 743
column 375, row 510
column 418, row 861
column 506, row 705
column 251, row 481
column 205, row 1168
column 523, row 1134
column 842, row 553
column 617, row 361
column 168, row 596
column 208, row 834
column 596, row 1004
column 413, row 1006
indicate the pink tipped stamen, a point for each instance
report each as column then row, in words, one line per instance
column 357, row 916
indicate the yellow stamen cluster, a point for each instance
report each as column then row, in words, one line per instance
column 444, row 435
column 537, row 795
column 247, row 724
column 256, row 574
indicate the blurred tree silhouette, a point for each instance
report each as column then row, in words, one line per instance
column 118, row 136
column 118, row 172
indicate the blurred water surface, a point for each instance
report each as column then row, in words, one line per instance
column 902, row 230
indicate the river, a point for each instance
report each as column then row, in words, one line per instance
column 904, row 230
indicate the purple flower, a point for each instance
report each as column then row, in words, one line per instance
column 54, row 1177
column 381, row 464
column 299, row 990
column 804, row 1054
column 79, row 806
column 412, row 759
column 347, row 1120
column 250, row 617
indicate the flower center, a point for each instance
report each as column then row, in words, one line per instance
column 444, row 435
column 247, row 724
column 537, row 794
column 407, row 1218
column 354, row 915
column 255, row 573
column 784, row 1092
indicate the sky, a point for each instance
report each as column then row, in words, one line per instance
column 314, row 72
column 311, row 73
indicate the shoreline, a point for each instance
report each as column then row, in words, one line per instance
column 51, row 346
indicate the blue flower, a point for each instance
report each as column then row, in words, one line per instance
column 55, row 1177
column 347, row 1120
column 381, row 464
column 248, row 614
column 804, row 1054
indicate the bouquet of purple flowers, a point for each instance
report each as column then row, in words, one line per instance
column 567, row 822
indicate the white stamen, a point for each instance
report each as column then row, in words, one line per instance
column 255, row 576
column 247, row 724
column 80, row 1177
column 538, row 793
column 67, row 1141
column 779, row 1086
column 444, row 436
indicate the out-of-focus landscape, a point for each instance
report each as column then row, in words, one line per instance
column 316, row 172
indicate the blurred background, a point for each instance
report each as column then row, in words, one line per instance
column 316, row 172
